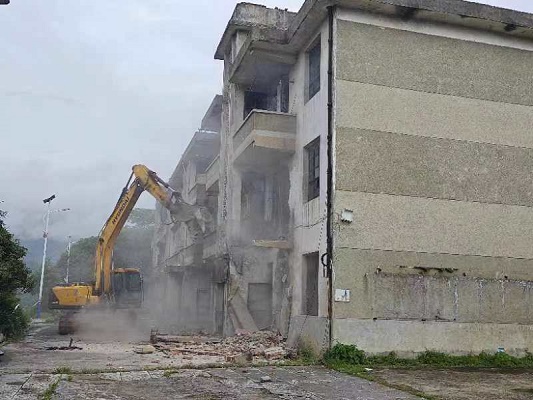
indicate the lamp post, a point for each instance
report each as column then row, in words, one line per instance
column 47, row 201
column 68, row 256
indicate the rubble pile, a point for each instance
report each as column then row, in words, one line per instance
column 243, row 347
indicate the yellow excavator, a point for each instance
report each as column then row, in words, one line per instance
column 122, row 287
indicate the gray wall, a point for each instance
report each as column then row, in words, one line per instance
column 434, row 154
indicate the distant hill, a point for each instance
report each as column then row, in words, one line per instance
column 35, row 251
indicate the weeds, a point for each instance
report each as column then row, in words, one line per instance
column 62, row 370
column 307, row 354
column 347, row 356
column 50, row 391
column 169, row 372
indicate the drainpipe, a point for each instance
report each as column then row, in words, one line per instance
column 329, row 205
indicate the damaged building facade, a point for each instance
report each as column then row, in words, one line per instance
column 374, row 176
column 184, row 265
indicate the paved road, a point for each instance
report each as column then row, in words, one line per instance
column 313, row 383
column 28, row 370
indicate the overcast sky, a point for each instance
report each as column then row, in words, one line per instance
column 90, row 87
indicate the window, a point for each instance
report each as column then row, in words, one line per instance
column 313, row 169
column 133, row 282
column 313, row 85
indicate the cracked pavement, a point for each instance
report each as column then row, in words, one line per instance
column 112, row 370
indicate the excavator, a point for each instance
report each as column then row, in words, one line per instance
column 118, row 288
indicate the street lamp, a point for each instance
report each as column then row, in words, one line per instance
column 68, row 256
column 47, row 201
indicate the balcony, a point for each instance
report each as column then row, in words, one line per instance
column 258, row 62
column 264, row 138
column 212, row 175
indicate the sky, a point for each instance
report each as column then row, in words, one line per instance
column 89, row 88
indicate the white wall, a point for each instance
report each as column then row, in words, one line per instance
column 308, row 217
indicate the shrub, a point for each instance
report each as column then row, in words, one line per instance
column 345, row 353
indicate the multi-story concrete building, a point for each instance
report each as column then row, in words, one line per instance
column 375, row 172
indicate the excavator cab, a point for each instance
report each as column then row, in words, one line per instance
column 127, row 288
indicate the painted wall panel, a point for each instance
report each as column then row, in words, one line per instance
column 401, row 223
column 378, row 162
column 387, row 109
column 403, row 59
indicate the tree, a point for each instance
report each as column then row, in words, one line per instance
column 81, row 267
column 14, row 279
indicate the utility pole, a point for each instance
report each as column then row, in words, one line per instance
column 68, row 257
column 47, row 201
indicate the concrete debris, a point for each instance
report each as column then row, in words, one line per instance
column 239, row 349
column 156, row 337
column 265, row 379
column 275, row 353
column 145, row 349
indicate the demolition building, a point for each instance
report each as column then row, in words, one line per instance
column 371, row 178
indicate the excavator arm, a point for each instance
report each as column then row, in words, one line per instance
column 123, row 286
column 143, row 180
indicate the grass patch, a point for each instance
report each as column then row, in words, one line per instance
column 351, row 360
column 169, row 372
column 348, row 356
column 307, row 354
column 50, row 391
column 62, row 370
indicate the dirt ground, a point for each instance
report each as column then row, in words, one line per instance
column 464, row 384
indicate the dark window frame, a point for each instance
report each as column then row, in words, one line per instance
column 314, row 69
column 313, row 169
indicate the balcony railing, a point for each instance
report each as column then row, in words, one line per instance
column 266, row 122
column 271, row 134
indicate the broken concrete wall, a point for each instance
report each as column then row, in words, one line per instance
column 191, row 295
column 433, row 161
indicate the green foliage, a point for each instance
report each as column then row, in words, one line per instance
column 348, row 358
column 15, row 278
column 307, row 353
column 81, row 261
column 345, row 353
column 48, row 394
column 13, row 321
column 63, row 370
